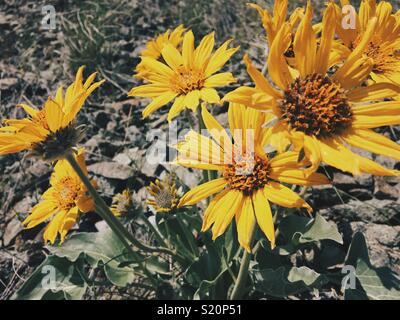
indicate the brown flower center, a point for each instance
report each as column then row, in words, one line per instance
column 67, row 191
column 316, row 105
column 248, row 173
column 187, row 81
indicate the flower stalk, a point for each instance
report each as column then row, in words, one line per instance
column 105, row 213
column 240, row 283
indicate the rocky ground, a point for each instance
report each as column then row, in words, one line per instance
column 107, row 36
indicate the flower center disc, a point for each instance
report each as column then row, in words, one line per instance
column 316, row 106
column 187, row 81
column 384, row 59
column 384, row 54
column 67, row 192
column 247, row 174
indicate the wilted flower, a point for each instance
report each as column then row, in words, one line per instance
column 187, row 77
column 155, row 46
column 122, row 203
column 50, row 132
column 319, row 109
column 63, row 202
column 164, row 195
column 249, row 182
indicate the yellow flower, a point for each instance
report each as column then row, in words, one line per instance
column 155, row 46
column 51, row 131
column 187, row 77
column 249, row 180
column 320, row 109
column 63, row 202
column 164, row 195
column 383, row 47
column 122, row 203
column 273, row 23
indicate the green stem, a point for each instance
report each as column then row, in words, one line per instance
column 237, row 292
column 200, row 124
column 105, row 213
column 157, row 234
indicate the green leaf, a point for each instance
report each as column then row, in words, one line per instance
column 209, row 275
column 286, row 281
column 68, row 281
column 372, row 283
column 100, row 249
column 299, row 230
column 179, row 231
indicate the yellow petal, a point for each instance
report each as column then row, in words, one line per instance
column 172, row 56
column 285, row 160
column 305, row 44
column 264, row 216
column 285, row 197
column 209, row 95
column 200, row 149
column 328, row 33
column 40, row 213
column 227, row 207
column 29, row 110
column 371, row 167
column 390, row 108
column 374, row 92
column 203, row 51
column 277, row 65
column 219, row 80
column 260, row 80
column 216, row 130
column 158, row 102
column 312, row 151
column 68, row 222
column 211, row 213
column 54, row 115
column 188, row 49
column 192, row 100
column 202, row 192
column 176, row 108
column 373, row 142
column 279, row 137
column 370, row 122
column 337, row 155
column 219, row 58
column 158, row 67
column 54, row 226
column 195, row 164
column 149, row 90
column 245, row 223
column 244, row 96
column 299, row 177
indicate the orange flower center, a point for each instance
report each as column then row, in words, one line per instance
column 316, row 105
column 384, row 54
column 187, row 81
column 67, row 191
column 248, row 173
column 383, row 58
